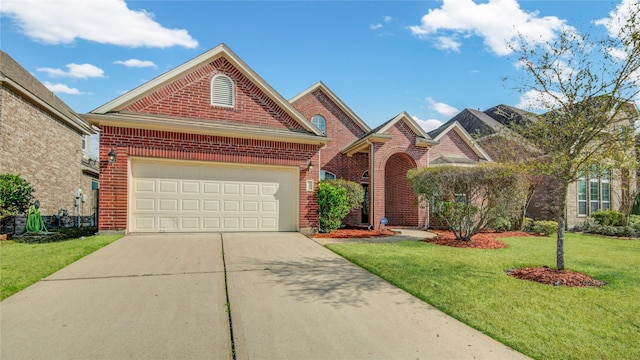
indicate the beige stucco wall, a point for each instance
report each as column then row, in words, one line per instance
column 44, row 151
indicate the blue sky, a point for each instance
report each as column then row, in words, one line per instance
column 429, row 58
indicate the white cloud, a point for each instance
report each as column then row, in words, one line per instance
column 534, row 100
column 428, row 125
column 498, row 22
column 617, row 18
column 447, row 43
column 442, row 108
column 136, row 63
column 62, row 89
column 387, row 19
column 102, row 21
column 375, row 26
column 79, row 71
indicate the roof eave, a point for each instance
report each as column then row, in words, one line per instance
column 202, row 127
column 76, row 124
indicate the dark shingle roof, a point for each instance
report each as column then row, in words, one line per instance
column 475, row 122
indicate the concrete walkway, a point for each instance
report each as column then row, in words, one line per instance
column 163, row 297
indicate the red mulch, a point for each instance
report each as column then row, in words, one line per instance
column 545, row 275
column 482, row 240
column 354, row 233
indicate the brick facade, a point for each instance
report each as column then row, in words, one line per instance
column 44, row 151
column 452, row 144
column 182, row 146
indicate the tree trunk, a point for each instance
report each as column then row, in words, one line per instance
column 561, row 225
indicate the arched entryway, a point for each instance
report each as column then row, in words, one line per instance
column 399, row 200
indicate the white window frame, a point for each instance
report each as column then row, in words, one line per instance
column 322, row 128
column 365, row 174
column 216, row 93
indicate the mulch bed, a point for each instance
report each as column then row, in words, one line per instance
column 354, row 234
column 482, row 240
column 545, row 275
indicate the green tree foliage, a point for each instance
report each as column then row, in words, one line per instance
column 333, row 206
column 355, row 192
column 16, row 195
column 589, row 85
column 467, row 198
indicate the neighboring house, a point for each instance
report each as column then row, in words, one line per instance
column 45, row 142
column 595, row 191
column 210, row 146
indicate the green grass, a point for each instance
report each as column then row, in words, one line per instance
column 24, row 264
column 542, row 321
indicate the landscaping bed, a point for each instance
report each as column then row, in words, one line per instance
column 349, row 233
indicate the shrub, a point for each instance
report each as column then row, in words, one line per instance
column 544, row 227
column 527, row 225
column 608, row 217
column 499, row 224
column 333, row 206
column 355, row 192
column 16, row 195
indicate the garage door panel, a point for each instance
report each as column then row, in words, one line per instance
column 168, row 186
column 211, row 188
column 167, row 204
column 190, row 187
column 168, row 223
column 211, row 205
column 144, row 204
column 190, row 205
column 191, row 197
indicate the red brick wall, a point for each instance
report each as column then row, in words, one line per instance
column 190, row 97
column 342, row 131
column 400, row 200
column 452, row 144
column 403, row 141
column 171, row 145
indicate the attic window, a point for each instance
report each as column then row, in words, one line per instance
column 222, row 91
column 320, row 123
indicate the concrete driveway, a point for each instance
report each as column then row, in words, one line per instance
column 163, row 297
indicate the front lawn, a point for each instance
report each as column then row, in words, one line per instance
column 24, row 264
column 542, row 321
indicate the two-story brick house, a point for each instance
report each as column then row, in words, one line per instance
column 45, row 142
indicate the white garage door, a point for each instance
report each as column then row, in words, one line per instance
column 202, row 197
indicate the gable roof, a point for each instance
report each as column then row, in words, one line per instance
column 507, row 115
column 475, row 122
column 170, row 76
column 379, row 134
column 14, row 76
column 455, row 126
column 336, row 100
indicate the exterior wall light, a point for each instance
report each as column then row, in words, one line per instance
column 112, row 156
column 310, row 166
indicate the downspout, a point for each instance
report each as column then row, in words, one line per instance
column 372, row 188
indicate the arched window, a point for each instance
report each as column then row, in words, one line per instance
column 325, row 175
column 365, row 174
column 320, row 123
column 222, row 91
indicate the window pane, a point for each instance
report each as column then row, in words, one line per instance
column 595, row 206
column 582, row 208
column 594, row 191
column 582, row 190
column 320, row 123
column 606, row 192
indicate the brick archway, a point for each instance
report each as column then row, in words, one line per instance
column 399, row 201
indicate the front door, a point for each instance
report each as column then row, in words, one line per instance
column 365, row 206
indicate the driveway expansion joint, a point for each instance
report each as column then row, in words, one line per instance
column 131, row 276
